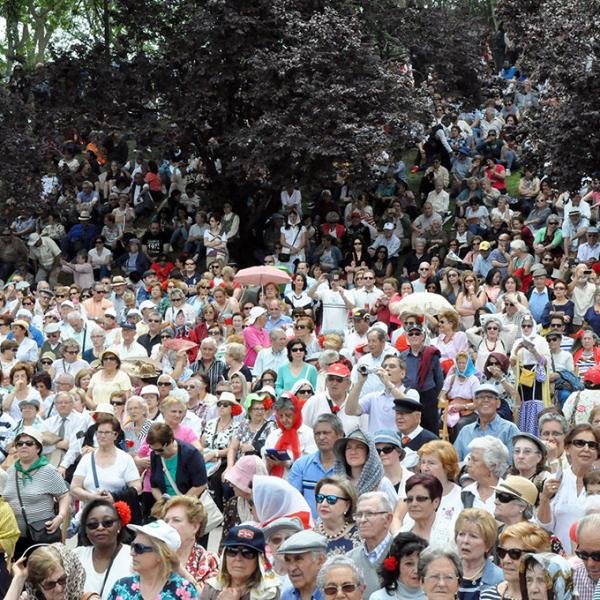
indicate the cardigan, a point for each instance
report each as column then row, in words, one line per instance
column 191, row 470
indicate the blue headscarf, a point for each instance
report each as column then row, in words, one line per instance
column 469, row 369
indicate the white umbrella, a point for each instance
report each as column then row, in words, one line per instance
column 422, row 303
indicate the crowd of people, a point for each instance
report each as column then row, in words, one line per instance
column 405, row 405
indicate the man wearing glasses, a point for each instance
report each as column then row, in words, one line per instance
column 152, row 338
column 587, row 574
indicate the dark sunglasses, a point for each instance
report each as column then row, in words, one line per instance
column 46, row 362
column 493, row 363
column 117, row 402
column 386, row 450
column 514, row 553
column 347, row 588
column 335, row 378
column 595, row 556
column 138, row 548
column 163, row 383
column 106, row 524
column 417, row 499
column 582, row 443
column 159, row 450
column 414, row 334
column 28, row 443
column 552, row 339
column 299, row 326
column 223, row 404
column 50, row 585
column 331, row 499
column 302, row 392
column 244, row 552
column 299, row 349
column 504, row 498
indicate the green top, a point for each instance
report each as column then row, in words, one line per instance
column 171, row 464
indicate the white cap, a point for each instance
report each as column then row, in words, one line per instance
column 23, row 312
column 134, row 312
column 52, row 328
column 389, row 226
column 149, row 389
column 147, row 304
column 110, row 312
column 67, row 303
column 21, row 285
column 34, row 238
column 160, row 531
column 105, row 408
column 255, row 312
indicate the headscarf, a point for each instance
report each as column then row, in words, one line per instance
column 74, row 572
column 289, row 439
column 469, row 369
column 372, row 471
column 300, row 383
column 275, row 498
column 557, row 572
column 532, row 336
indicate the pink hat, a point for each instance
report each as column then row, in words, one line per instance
column 244, row 470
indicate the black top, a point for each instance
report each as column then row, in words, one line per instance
column 191, row 471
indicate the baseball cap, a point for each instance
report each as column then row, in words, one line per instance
column 484, row 246
column 247, row 536
column 159, row 530
column 389, row 226
column 360, row 313
column 150, row 389
column 339, row 370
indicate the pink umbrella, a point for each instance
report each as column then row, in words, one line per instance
column 261, row 276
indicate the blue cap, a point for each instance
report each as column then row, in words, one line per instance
column 127, row 325
column 247, row 536
column 387, row 436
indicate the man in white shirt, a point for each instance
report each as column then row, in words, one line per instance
column 367, row 295
column 63, row 432
column 334, row 299
column 388, row 239
column 273, row 357
column 69, row 363
column 333, row 399
column 357, row 335
column 129, row 348
column 589, row 251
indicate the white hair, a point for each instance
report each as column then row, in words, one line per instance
column 382, row 497
column 495, row 453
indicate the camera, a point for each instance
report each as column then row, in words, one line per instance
column 364, row 370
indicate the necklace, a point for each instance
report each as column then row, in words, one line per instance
column 333, row 536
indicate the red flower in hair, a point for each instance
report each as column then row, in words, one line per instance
column 124, row 512
column 390, row 563
column 236, row 410
column 129, row 444
column 268, row 403
column 321, row 341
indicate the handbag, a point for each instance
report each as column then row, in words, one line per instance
column 526, row 377
column 213, row 514
column 36, row 531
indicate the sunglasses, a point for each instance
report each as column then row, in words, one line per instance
column 553, row 339
column 333, row 590
column 335, row 378
column 414, row 334
column 504, row 498
column 46, row 362
column 417, row 499
column 138, row 548
column 50, row 585
column 163, row 383
column 154, row 321
column 493, row 363
column 223, row 404
column 386, row 449
column 118, row 402
column 584, row 556
column 514, row 553
column 582, row 443
column 247, row 553
column 331, row 499
column 303, row 392
column 299, row 326
column 297, row 349
column 159, row 450
column 106, row 524
column 492, row 328
column 27, row 443
column 526, row 325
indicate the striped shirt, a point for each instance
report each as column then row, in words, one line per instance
column 38, row 495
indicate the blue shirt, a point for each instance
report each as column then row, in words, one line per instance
column 499, row 428
column 537, row 303
column 291, row 593
column 282, row 322
column 304, row 474
column 482, row 265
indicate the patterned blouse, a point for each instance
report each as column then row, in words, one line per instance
column 176, row 588
column 202, row 565
column 218, row 440
column 246, row 436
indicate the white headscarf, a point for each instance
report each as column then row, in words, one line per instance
column 274, row 497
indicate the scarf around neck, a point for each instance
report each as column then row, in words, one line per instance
column 27, row 476
column 289, row 439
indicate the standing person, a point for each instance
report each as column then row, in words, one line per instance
column 9, row 534
column 293, row 241
column 424, row 374
column 330, row 292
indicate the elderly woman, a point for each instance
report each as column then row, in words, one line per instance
column 450, row 341
column 496, row 372
column 398, row 573
column 49, row 573
column 553, row 431
column 173, row 410
column 32, row 488
column 486, row 464
column 110, row 378
column 513, row 543
column 296, row 368
column 28, row 349
column 156, row 564
column 103, row 551
column 487, row 339
column 475, row 537
column 439, row 572
column 253, row 431
column 188, row 517
column 529, row 458
column 546, row 576
column 138, row 424
column 340, row 574
column 357, row 459
column 20, row 378
column 234, row 359
column 244, row 568
column 291, row 437
column 439, row 459
column 98, row 337
column 239, row 386
column 587, row 355
column 336, row 504
column 563, row 494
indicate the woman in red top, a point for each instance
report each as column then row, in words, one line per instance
column 496, row 173
column 152, row 178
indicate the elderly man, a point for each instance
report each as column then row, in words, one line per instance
column 389, row 240
column 307, row 470
column 276, row 318
column 539, row 295
column 408, row 422
column 63, row 383
column 129, row 348
column 420, row 284
column 304, row 553
column 424, row 374
column 589, row 251
column 379, row 405
column 96, row 306
column 276, row 533
column 46, row 257
column 69, row 363
column 208, row 365
column 62, row 433
column 374, row 518
column 273, row 357
column 78, row 329
column 587, row 574
column 574, row 231
column 152, row 338
column 487, row 403
column 483, row 262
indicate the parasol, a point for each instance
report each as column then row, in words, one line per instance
column 261, row 276
column 422, row 303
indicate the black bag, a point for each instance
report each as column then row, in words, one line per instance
column 284, row 257
column 36, row 531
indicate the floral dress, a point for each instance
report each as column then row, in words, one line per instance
column 176, row 588
column 202, row 565
column 257, row 438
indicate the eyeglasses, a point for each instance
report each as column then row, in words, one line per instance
column 106, row 524
column 163, row 383
column 417, row 499
column 345, row 588
column 367, row 516
column 386, row 449
column 490, row 328
column 582, row 443
column 547, row 434
column 246, row 553
column 331, row 499
column 27, row 303
column 493, row 363
column 298, row 349
column 304, row 392
column 223, row 404
column 138, row 548
column 514, row 553
column 423, row 269
column 154, row 321
column 248, row 307
column 28, row 443
column 299, row 326
column 118, row 402
column 70, row 351
column 441, row 578
column 414, row 334
column 505, row 498
column 110, row 358
column 50, row 585
column 584, row 556
column 159, row 450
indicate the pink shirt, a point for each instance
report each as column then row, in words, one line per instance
column 254, row 337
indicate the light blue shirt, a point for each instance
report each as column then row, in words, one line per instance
column 291, row 593
column 499, row 428
column 537, row 303
column 304, row 474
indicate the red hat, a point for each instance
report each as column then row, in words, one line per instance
column 592, row 375
column 339, row 370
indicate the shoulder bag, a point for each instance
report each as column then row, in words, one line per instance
column 36, row 530
column 285, row 256
column 214, row 515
